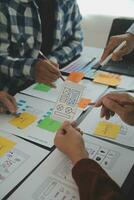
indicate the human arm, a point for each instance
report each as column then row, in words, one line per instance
column 92, row 181
column 68, row 34
column 18, row 52
column 120, row 103
column 118, row 39
column 7, row 103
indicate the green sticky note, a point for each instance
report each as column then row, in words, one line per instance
column 49, row 124
column 42, row 87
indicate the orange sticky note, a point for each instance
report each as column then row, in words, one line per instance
column 107, row 78
column 5, row 145
column 84, row 102
column 75, row 77
column 107, row 129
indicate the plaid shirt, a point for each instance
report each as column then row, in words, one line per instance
column 20, row 37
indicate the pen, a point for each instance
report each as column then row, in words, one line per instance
column 110, row 55
column 89, row 62
column 50, row 63
column 124, row 90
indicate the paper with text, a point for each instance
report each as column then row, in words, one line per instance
column 42, row 130
column 57, row 182
column 122, row 133
column 20, row 158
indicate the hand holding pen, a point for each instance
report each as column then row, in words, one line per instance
column 119, row 103
column 114, row 42
column 54, row 65
column 109, row 57
column 7, row 103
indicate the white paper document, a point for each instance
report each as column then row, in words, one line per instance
column 37, row 130
column 35, row 122
column 17, row 159
column 45, row 92
column 93, row 90
column 127, row 82
column 67, row 103
column 113, row 129
column 53, row 179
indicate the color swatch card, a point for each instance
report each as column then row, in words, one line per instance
column 67, row 103
column 84, row 64
column 17, row 159
column 44, row 91
column 113, row 129
column 34, row 122
column 57, row 182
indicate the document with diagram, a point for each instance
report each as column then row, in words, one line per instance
column 33, row 121
column 17, row 159
column 53, row 179
column 113, row 129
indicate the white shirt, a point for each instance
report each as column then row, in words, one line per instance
column 131, row 29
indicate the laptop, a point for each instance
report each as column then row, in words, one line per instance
column 126, row 66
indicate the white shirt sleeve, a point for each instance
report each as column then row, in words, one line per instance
column 131, row 29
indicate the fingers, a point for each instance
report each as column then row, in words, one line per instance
column 110, row 47
column 119, row 54
column 51, row 67
column 45, row 72
column 113, row 106
column 8, row 102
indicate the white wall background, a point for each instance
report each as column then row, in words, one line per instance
column 98, row 16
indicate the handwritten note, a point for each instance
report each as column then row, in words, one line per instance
column 5, row 145
column 75, row 77
column 107, row 129
column 107, row 78
column 23, row 120
column 84, row 102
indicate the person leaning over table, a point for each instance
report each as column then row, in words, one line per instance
column 20, row 42
column 62, row 35
column 116, row 40
column 92, row 181
column 7, row 103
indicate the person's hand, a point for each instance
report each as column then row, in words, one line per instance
column 69, row 140
column 7, row 103
column 46, row 72
column 114, row 42
column 120, row 103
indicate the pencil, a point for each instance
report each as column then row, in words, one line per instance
column 110, row 55
column 50, row 63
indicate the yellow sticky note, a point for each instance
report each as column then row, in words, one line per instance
column 75, row 76
column 23, row 120
column 107, row 78
column 84, row 102
column 107, row 129
column 5, row 145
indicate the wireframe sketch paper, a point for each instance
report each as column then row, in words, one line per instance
column 57, row 183
column 34, row 122
column 67, row 103
column 17, row 159
column 113, row 129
